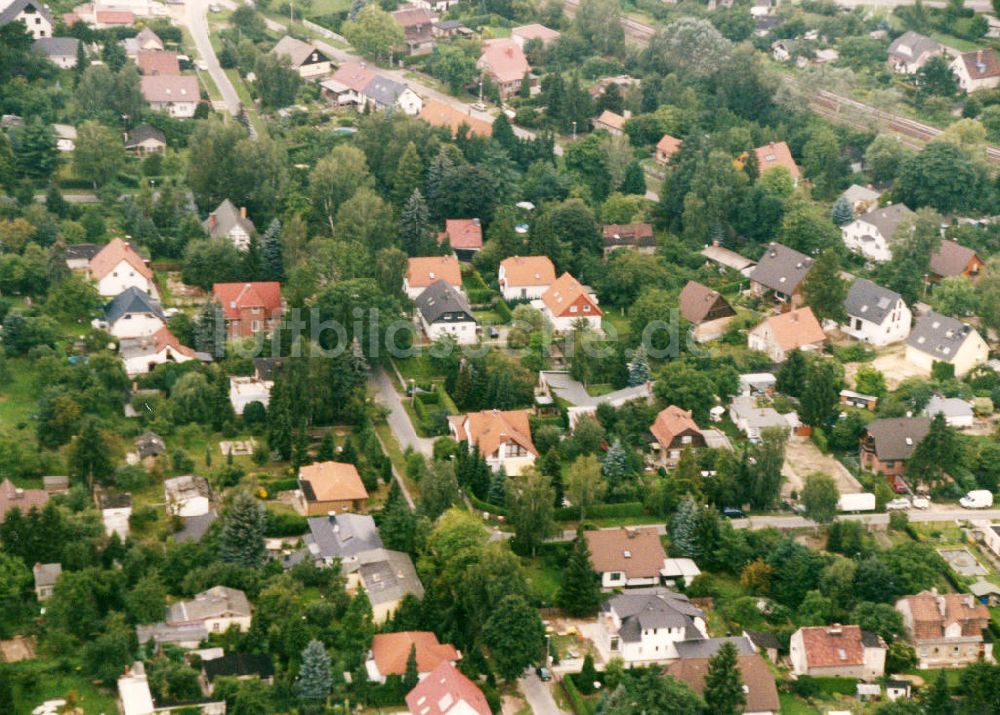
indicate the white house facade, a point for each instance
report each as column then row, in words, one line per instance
column 876, row 315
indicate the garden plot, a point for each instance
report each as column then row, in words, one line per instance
column 963, row 562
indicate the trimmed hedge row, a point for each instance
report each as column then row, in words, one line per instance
column 503, row 311
column 576, row 701
column 479, row 296
column 624, row 510
column 280, row 524
column 486, row 506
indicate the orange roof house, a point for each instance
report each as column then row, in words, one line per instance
column 628, row 556
column 674, row 430
column 155, row 62
column 778, row 335
column 330, row 486
column 503, row 61
column 464, row 235
column 390, row 651
column 837, row 650
column 567, row 301
column 523, row 277
column 117, row 267
column 666, row 148
column 776, row 154
column 109, row 18
column 610, row 121
column 446, row 691
column 439, row 114
column 422, row 272
column 503, row 437
column 249, row 308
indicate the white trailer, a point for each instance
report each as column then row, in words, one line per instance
column 853, row 503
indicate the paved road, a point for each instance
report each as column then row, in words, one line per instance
column 398, row 420
column 977, row 5
column 538, row 696
column 197, row 22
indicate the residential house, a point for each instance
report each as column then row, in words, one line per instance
column 134, row 695
column 977, row 70
column 764, row 642
column 876, row 315
column 524, row 34
column 55, row 485
column 781, row 271
column 326, row 487
column 850, row 398
column 183, row 636
column 133, row 314
column 145, row 40
column 347, row 85
column 447, row 691
column 896, row 689
column 938, row 338
column 387, row 577
column 725, row 258
column 117, row 267
column 142, row 355
column 249, row 308
column 65, row 137
column 666, row 148
column 438, row 114
column 116, row 509
column 241, row 666
column 246, row 389
column 503, row 437
column 231, row 223
column 149, row 446
column 636, row 237
column 12, row 497
column 580, row 402
column 778, row 335
column 954, row 259
column 873, row 234
column 157, row 62
column 218, row 609
column 645, row 626
column 777, row 154
column 525, row 277
column 991, row 537
column 752, row 420
column 758, row 383
column 387, row 94
column 759, row 688
column 947, row 630
column 305, row 58
column 503, row 61
column 628, row 557
column 887, row 443
column 611, row 122
column 708, row 312
column 341, row 538
column 674, row 431
column 681, row 570
column 62, row 51
column 910, row 51
column 861, row 198
column 391, row 651
column 446, row 28
column 177, row 95
column 418, row 29
column 444, row 310
column 421, row 272
column 79, row 255
column 845, row 651
column 987, row 592
column 187, row 496
column 464, row 236
column 145, row 140
column 106, row 19
column 35, row 15
column 46, row 576
column 957, row 412
column 566, row 302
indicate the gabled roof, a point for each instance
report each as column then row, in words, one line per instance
column 463, row 233
column 388, row 576
column 528, row 271
column 186, row 487
column 411, row 16
column 422, row 271
column 895, row 438
column 629, row 234
column 296, row 50
column 115, row 17
column 154, row 345
column 331, row 481
column 390, row 651
column 758, row 681
column 728, row 258
column 941, row 610
column 696, row 301
column 444, row 691
column 10, row 12
column 776, row 154
column 795, row 329
column 354, row 75
column 504, row 59
column 142, row 133
column 75, row 251
column 439, row 114
column 707, row 647
column 564, row 293
column 939, row 336
column 147, row 36
column 132, row 300
column 46, row 574
column 951, row 259
column 384, row 91
column 653, row 608
column 214, row 603
column 981, row 64
column 636, row 552
column 781, row 268
column 342, row 535
column 888, row 218
column 234, row 297
column 670, row 423
column 856, row 192
column 534, row 31
column 157, row 62
column 441, row 299
column 948, row 406
column 11, row 497
column 869, row 301
column 226, row 217
column 491, row 428
column 833, row 646
column 611, row 119
column 57, row 46
column 116, row 251
column 911, row 46
column 170, row 88
column 668, row 145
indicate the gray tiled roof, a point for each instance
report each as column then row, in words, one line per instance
column 897, row 437
column 57, row 46
column 781, row 268
column 939, row 336
column 653, row 608
column 384, row 91
column 226, row 217
column 948, row 406
column 143, row 132
column 388, row 576
column 341, row 535
column 910, row 46
column 707, row 647
column 869, row 301
column 440, row 299
column 213, row 603
column 888, row 218
column 14, row 9
column 132, row 300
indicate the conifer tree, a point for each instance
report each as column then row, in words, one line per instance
column 414, row 225
column 818, row 402
column 314, row 680
column 638, row 370
column 411, row 677
column 824, row 290
column 327, row 451
column 791, row 377
column 498, row 488
column 90, row 455
column 634, row 180
column 580, row 592
column 272, row 261
column 436, row 172
column 842, row 213
column 242, row 538
column 937, row 699
column 615, row 465
column 252, row 264
column 279, row 418
column 409, row 175
column 210, row 330
column 683, row 527
column 349, row 453
column 724, row 684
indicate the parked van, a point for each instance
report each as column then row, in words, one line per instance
column 977, row 499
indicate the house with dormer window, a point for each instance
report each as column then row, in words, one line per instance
column 780, row 273
column 568, row 301
column 503, row 437
column 876, row 315
column 938, row 338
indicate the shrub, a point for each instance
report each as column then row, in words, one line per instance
column 283, row 523
column 624, row 510
column 283, row 485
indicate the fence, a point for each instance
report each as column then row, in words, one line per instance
column 328, row 34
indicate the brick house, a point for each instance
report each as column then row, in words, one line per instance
column 947, row 630
column 886, row 444
column 249, row 308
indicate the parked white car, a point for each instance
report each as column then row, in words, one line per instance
column 898, row 504
column 921, row 502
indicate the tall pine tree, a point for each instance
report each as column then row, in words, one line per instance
column 271, row 258
column 210, row 330
column 409, row 175
column 634, row 181
column 638, row 370
column 580, row 592
column 724, row 684
column 279, row 418
column 315, row 678
column 414, row 226
column 242, row 538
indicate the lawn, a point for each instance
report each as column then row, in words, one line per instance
column 544, row 574
column 391, row 447
column 614, row 324
column 18, row 395
column 328, row 7
column 37, row 681
column 418, row 368
column 791, row 705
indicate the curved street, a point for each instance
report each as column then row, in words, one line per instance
column 196, row 19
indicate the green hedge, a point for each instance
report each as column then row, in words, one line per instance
column 486, row 506
column 284, row 524
column 429, row 398
column 837, row 686
column 577, row 702
column 624, row 510
column 479, row 296
column 503, row 311
column 282, row 485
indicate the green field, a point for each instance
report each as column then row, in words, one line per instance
column 327, row 7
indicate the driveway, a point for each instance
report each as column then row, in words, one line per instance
column 803, row 458
column 398, row 420
column 539, row 696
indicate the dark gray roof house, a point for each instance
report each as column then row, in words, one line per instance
column 441, row 301
column 939, row 336
column 781, row 269
column 225, row 218
column 388, row 576
column 888, row 218
column 896, row 438
column 55, row 47
column 10, row 13
column 654, row 608
column 384, row 91
column 268, row 368
column 150, row 444
column 144, row 132
column 911, row 47
column 707, row 647
column 132, row 301
column 82, row 251
column 342, row 536
column 869, row 301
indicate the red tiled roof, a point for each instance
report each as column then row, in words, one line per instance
column 795, row 329
column 115, row 17
column 157, row 62
column 668, row 146
column 441, row 692
column 116, row 251
column 833, row 646
column 163, row 339
column 24, row 499
column 491, row 428
column 391, row 651
column 463, row 233
column 354, row 75
column 334, row 481
column 565, row 292
column 170, row 88
column 421, row 272
column 981, row 64
column 671, row 422
column 439, row 114
column 503, row 59
column 776, row 154
column 528, row 271
column 234, row 296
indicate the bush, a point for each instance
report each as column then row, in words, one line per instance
column 624, row 510
column 503, row 310
column 481, row 505
column 855, row 352
column 282, row 485
column 283, row 523
column 805, row 686
column 479, row 296
column 576, row 701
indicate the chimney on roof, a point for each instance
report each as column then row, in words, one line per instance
column 243, row 211
column 630, row 532
column 212, row 221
